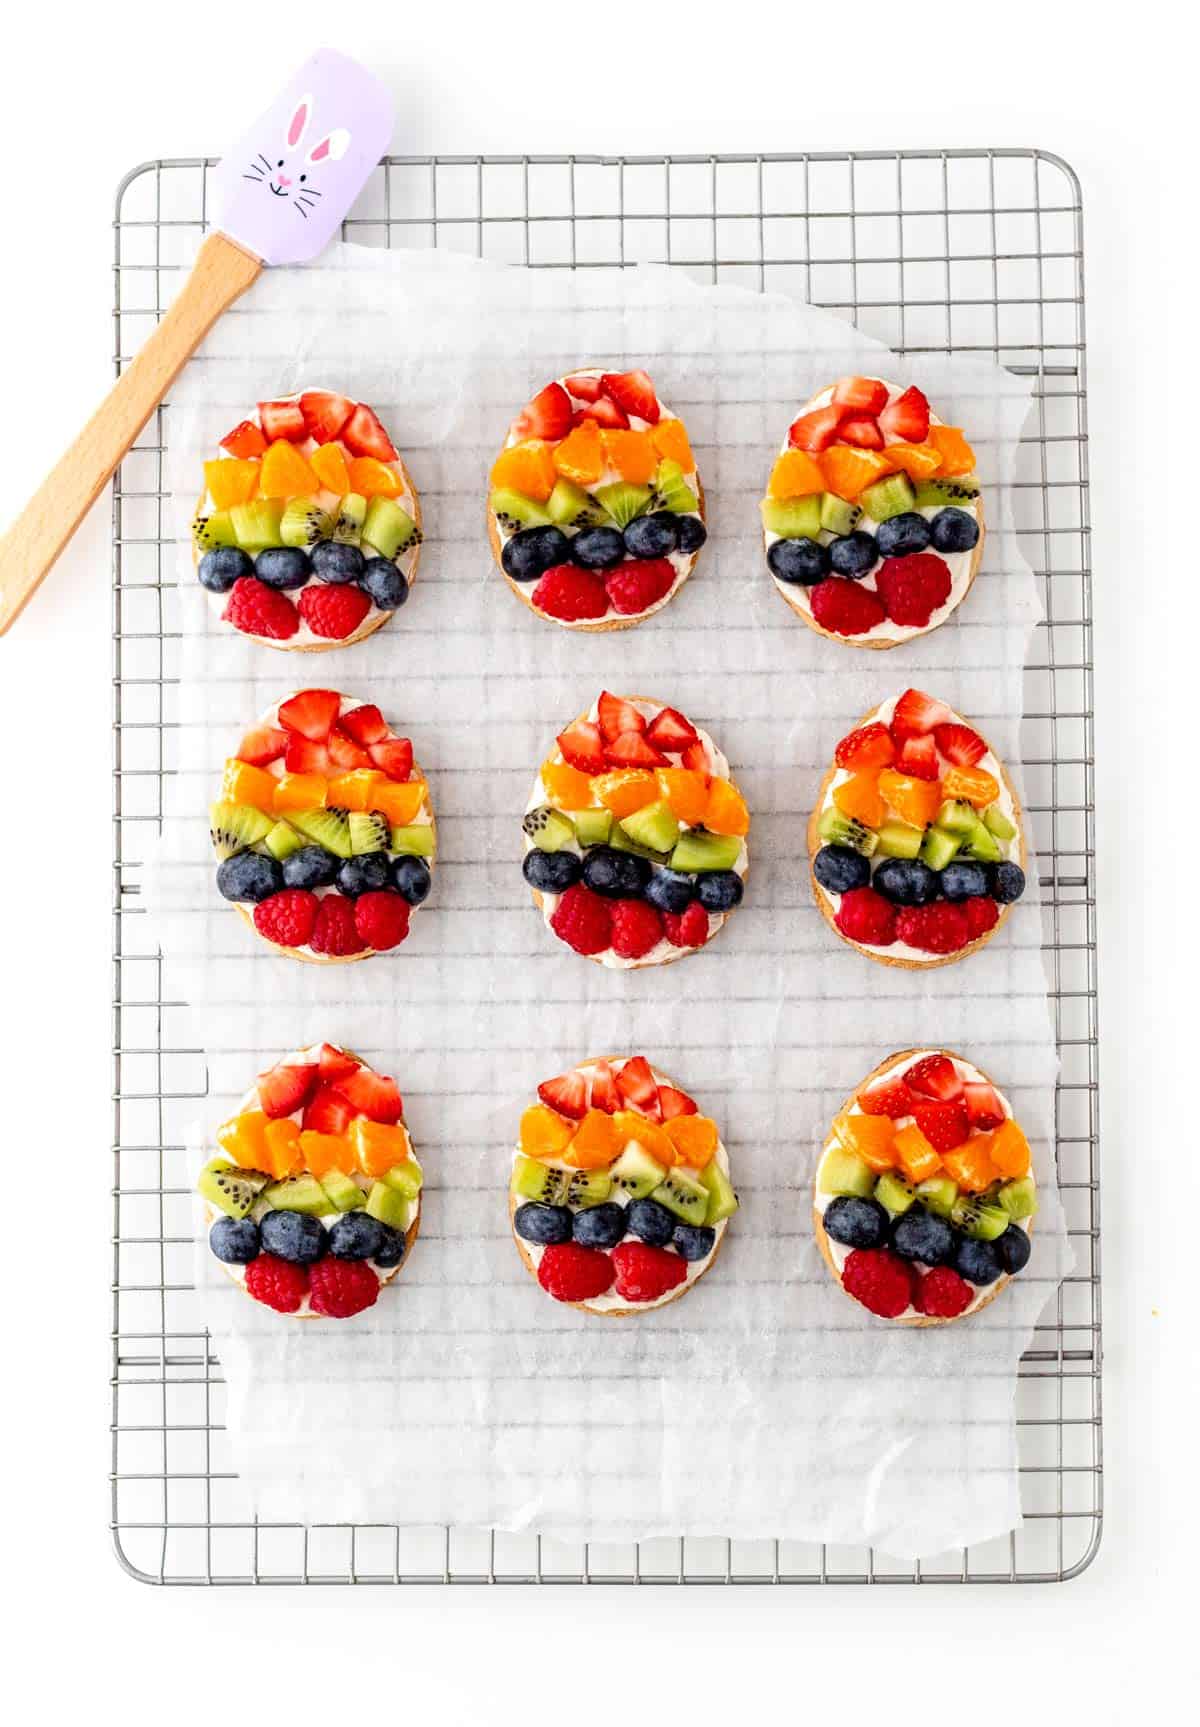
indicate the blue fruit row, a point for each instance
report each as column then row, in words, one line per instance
column 606, row 1225
column 253, row 877
column 855, row 555
column 923, row 1237
column 289, row 567
column 908, row 881
column 533, row 551
column 617, row 874
column 301, row 1239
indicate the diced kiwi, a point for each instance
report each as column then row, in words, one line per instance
column 938, row 1194
column 623, row 501
column 257, row 524
column 839, row 830
column 699, row 850
column 937, row 493
column 549, row 829
column 235, row 828
column 342, row 1191
column 981, row 1221
column 838, row 516
column 671, row 492
column 569, row 506
column 587, row 1187
column 894, row 1193
column 981, row 845
column 406, row 1178
column 722, row 1200
column 230, row 1189
column 213, row 530
column 843, row 1172
column 513, row 510
column 282, row 841
column 415, row 841
column 300, row 1193
column 1018, row 1198
column 891, row 496
column 793, row 518
column 388, row 529
column 352, row 513
column 898, row 840
column 388, row 1205
column 304, row 522
column 538, row 1181
column 996, row 822
column 956, row 816
column 329, row 828
column 620, row 841
column 938, row 847
column 636, row 1173
column 369, row 832
column 592, row 827
column 687, row 1198
column 654, row 826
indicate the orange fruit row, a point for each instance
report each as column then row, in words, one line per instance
column 599, row 1139
column 362, row 789
column 280, row 1148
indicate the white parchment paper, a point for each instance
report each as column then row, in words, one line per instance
column 766, row 1403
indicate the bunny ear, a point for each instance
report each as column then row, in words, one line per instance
column 331, row 148
column 298, row 124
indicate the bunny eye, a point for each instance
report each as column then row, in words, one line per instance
column 279, row 164
column 303, row 177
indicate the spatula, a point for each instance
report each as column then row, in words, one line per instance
column 279, row 196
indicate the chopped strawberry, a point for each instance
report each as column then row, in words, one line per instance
column 617, row 716
column 906, row 420
column 633, row 392
column 868, row 747
column 363, row 435
column 262, row 745
column 568, row 1094
column 371, row 1094
column 311, row 713
column 366, row 725
column 673, row 1102
column 696, row 758
column 635, row 1082
column 863, row 432
column 935, row 1076
column 669, row 731
column 304, row 757
column 984, row 1109
column 344, row 753
column 583, row 386
column 282, row 420
column 917, row 713
column 605, row 1095
column 283, row 1090
column 334, row 1064
column 394, row 756
column 888, row 1095
column 944, row 1125
column 547, row 416
column 960, row 745
column 583, row 746
column 864, row 395
column 603, row 413
column 631, row 750
column 325, row 414
column 245, row 440
column 328, row 1111
column 918, row 757
column 817, row 430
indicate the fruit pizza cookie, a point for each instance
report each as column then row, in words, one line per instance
column 873, row 519
column 309, row 529
column 315, row 1200
column 620, row 1189
column 325, row 830
column 915, row 842
column 596, row 512
column 924, row 1198
column 635, row 835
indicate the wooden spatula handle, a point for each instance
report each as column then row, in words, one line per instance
column 221, row 273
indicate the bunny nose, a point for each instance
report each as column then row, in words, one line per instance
column 284, row 181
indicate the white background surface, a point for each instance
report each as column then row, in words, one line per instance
column 88, row 94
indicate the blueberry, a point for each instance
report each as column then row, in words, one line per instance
column 1014, row 1248
column 220, row 568
column 545, row 1224
column 803, row 561
column 283, row 567
column 385, row 584
column 963, row 880
column 853, row 555
column 391, row 1247
column 530, row 553
column 552, row 872
column 249, row 876
column 652, row 536
column 902, row 535
column 234, row 1240
column 310, row 867
column 954, row 531
column 355, row 1236
column 614, row 874
column 1006, row 882
column 923, row 1235
column 295, row 1236
column 693, row 1240
column 839, row 869
column 670, row 891
column 366, row 874
column 856, row 1222
column 600, row 1225
column 650, row 1222
column 906, row 881
column 334, row 562
column 692, row 534
column 719, row 889
column 411, row 879
column 977, row 1261
column 597, row 548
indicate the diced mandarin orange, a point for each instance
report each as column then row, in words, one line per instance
column 848, row 469
column 378, row 1144
column 914, row 801
column 670, row 439
column 686, row 792
column 625, row 790
column 568, row 788
column 694, row 1138
column 596, row 1144
column 353, row 791
column 918, row 461
column 544, row 1133
column 975, row 784
column 580, row 456
column 956, row 454
column 231, row 482
column 401, row 804
column 374, row 479
column 244, row 784
column 725, row 811
column 970, row 1165
column 528, row 468
column 325, row 1151
column 917, row 1157
column 648, row 1134
column 285, row 473
column 328, row 463
column 243, row 1139
column 632, row 454
column 871, row 1137
column 796, row 474
column 300, row 792
column 858, row 797
column 284, row 1156
column 1010, row 1150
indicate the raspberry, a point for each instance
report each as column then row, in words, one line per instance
column 982, row 915
column 866, row 916
column 879, row 1280
column 941, row 1293
column 570, row 594
column 913, row 588
column 689, row 929
column 381, row 919
column 258, row 610
column 277, row 1283
column 333, row 609
column 945, row 1125
column 644, row 1273
column 341, row 1287
column 844, row 607
column 334, row 931
column 583, row 920
column 287, row 917
column 633, row 587
column 938, row 928
column 636, row 928
column 569, row 1272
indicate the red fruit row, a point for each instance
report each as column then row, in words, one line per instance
column 333, row 925
column 574, row 595
column 943, row 927
column 631, row 927
column 634, row 1087
column 620, row 738
column 337, row 1288
column 859, row 413
column 609, row 400
column 907, row 590
column 933, row 1077
column 887, row 1285
column 332, row 610
column 318, row 414
column 638, row 1273
column 334, row 1084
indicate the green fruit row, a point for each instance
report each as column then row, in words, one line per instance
column 380, row 526
column 237, row 1191
column 958, row 830
column 825, row 512
column 652, row 832
column 985, row 1216
column 709, row 1199
column 346, row 833
column 614, row 506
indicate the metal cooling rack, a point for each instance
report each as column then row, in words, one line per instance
column 933, row 252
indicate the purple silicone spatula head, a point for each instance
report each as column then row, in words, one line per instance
column 284, row 188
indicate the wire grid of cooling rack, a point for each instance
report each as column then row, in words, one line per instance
column 931, row 251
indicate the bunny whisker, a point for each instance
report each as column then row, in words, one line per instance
column 302, row 211
column 310, row 192
column 263, row 160
column 257, row 178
